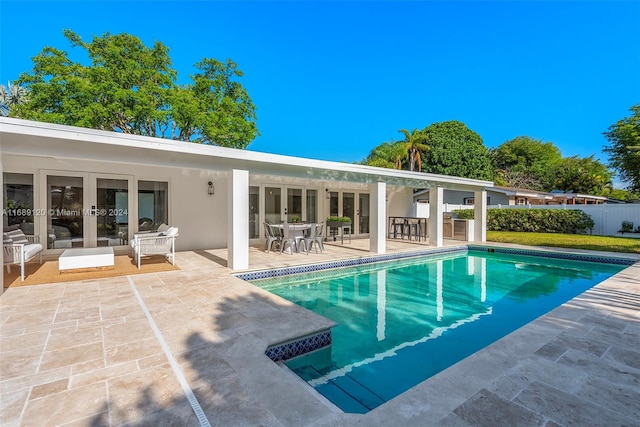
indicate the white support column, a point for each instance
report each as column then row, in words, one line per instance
column 378, row 226
column 480, row 215
column 436, row 210
column 238, row 220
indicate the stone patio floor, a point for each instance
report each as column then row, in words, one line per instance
column 146, row 349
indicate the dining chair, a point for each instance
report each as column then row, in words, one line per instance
column 315, row 231
column 288, row 237
column 272, row 235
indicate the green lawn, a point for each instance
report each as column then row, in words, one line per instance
column 573, row 241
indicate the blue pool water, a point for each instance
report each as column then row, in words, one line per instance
column 401, row 322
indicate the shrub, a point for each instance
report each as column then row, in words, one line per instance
column 534, row 220
column 627, row 227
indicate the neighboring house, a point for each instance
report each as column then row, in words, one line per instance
column 507, row 196
column 570, row 198
column 77, row 187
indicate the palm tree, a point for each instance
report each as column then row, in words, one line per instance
column 386, row 155
column 11, row 95
column 415, row 142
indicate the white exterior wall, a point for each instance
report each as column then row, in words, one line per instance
column 199, row 216
column 399, row 201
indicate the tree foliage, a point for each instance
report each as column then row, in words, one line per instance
column 131, row 88
column 413, row 145
column 456, row 150
column 386, row 155
column 10, row 96
column 525, row 162
column 584, row 175
column 624, row 148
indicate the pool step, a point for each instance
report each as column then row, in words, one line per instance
column 349, row 395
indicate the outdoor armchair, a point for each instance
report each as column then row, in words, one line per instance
column 155, row 244
column 19, row 248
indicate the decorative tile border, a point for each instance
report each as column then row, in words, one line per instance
column 285, row 271
column 555, row 255
column 301, row 346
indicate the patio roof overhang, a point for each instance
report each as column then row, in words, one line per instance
column 24, row 137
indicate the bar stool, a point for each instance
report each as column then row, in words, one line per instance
column 397, row 224
column 414, row 229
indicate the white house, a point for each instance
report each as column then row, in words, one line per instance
column 77, row 187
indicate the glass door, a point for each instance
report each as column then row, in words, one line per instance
column 65, row 211
column 363, row 213
column 349, row 208
column 111, row 212
column 293, row 209
column 273, row 204
column 312, row 206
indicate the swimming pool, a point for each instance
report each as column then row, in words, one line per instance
column 402, row 321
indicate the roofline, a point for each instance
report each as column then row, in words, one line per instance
column 50, row 130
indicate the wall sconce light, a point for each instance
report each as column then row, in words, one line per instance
column 210, row 190
column 326, row 191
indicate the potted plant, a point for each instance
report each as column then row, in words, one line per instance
column 338, row 221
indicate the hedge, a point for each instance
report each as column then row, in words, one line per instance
column 571, row 221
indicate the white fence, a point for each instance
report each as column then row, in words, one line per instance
column 607, row 218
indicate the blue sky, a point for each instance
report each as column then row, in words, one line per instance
column 331, row 80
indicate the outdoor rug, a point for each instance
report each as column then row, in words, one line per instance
column 36, row 274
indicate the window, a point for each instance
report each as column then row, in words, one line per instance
column 153, row 204
column 18, row 200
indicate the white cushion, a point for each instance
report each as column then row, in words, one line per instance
column 172, row 231
column 31, row 250
column 162, row 228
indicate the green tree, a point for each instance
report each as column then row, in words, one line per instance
column 582, row 175
column 131, row 88
column 10, row 96
column 456, row 150
column 414, row 144
column 526, row 163
column 624, row 148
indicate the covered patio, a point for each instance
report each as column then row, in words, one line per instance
column 217, row 197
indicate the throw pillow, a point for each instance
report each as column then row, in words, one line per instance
column 18, row 237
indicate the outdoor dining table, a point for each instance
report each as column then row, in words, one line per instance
column 297, row 230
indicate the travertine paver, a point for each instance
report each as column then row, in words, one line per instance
column 84, row 353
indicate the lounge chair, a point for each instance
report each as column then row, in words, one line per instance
column 155, row 244
column 20, row 248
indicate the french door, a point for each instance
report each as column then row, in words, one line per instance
column 86, row 209
column 351, row 205
column 283, row 203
